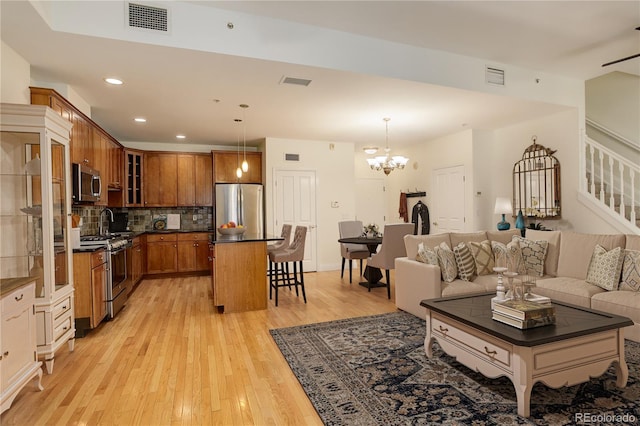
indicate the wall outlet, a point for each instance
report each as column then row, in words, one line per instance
column 195, row 217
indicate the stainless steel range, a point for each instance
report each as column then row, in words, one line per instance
column 116, row 245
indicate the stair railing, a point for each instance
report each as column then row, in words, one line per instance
column 611, row 182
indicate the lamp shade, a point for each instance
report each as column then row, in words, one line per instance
column 503, row 206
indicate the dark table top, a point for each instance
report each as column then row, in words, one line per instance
column 361, row 240
column 571, row 321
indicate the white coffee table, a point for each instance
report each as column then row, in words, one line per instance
column 582, row 344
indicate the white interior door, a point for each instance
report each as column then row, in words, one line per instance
column 295, row 203
column 371, row 203
column 449, row 200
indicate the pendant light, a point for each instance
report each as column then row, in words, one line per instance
column 238, row 170
column 245, row 165
column 387, row 163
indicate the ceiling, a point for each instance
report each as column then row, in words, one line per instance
column 197, row 93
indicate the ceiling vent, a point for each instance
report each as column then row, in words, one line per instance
column 295, row 81
column 147, row 17
column 495, row 76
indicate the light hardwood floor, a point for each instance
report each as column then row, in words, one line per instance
column 170, row 358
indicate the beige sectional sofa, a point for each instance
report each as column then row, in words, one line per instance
column 565, row 270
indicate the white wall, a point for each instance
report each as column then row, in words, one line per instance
column 333, row 163
column 15, row 78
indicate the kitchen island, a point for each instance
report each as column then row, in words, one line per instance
column 239, row 271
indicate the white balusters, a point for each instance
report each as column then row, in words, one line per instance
column 622, row 208
column 612, row 201
column 633, row 196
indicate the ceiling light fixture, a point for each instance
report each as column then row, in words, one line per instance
column 245, row 165
column 181, row 137
column 386, row 162
column 239, row 169
column 114, row 81
column 370, row 149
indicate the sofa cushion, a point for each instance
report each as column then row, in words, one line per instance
column 631, row 271
column 482, row 256
column 458, row 287
column 533, row 254
column 488, row 282
column 605, row 267
column 621, row 303
column 576, row 250
column 553, row 248
column 411, row 242
column 447, row 262
column 465, row 237
column 465, row 263
column 427, row 255
column 566, row 289
column 503, row 237
column 632, row 242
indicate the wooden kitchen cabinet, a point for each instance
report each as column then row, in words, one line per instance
column 160, row 179
column 90, row 281
column 137, row 261
column 115, row 155
column 162, row 253
column 195, row 185
column 193, row 252
column 225, row 164
column 18, row 355
column 101, row 163
column 133, row 178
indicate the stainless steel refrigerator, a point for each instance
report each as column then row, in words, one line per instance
column 241, row 203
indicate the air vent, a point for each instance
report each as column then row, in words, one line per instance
column 148, row 17
column 291, row 157
column 295, row 81
column 495, row 76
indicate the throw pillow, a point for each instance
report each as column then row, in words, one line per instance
column 605, row 267
column 483, row 257
column 427, row 255
column 533, row 254
column 447, row 262
column 631, row 271
column 511, row 254
column 465, row 263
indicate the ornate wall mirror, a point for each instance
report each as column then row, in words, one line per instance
column 536, row 183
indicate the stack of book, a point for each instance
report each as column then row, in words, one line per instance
column 524, row 314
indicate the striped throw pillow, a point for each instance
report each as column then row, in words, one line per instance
column 465, row 263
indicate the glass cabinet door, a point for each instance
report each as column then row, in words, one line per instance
column 59, row 214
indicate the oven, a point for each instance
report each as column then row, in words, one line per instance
column 117, row 276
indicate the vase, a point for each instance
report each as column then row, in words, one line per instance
column 371, row 234
column 520, row 222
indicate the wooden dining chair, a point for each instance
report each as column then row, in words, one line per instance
column 392, row 247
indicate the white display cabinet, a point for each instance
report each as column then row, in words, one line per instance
column 35, row 217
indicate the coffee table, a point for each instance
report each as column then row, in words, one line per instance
column 582, row 344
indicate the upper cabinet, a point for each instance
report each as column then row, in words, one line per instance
column 225, row 164
column 89, row 145
column 160, row 179
column 35, row 217
column 194, row 180
column 133, row 178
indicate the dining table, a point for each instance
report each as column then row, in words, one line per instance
column 371, row 273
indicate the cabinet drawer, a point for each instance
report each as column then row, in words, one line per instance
column 154, row 238
column 98, row 258
column 194, row 236
column 61, row 307
column 61, row 326
column 482, row 346
column 19, row 299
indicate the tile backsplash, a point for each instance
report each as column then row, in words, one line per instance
column 141, row 219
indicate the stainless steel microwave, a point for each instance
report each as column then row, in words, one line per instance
column 86, row 184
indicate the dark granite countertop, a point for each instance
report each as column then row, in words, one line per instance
column 215, row 238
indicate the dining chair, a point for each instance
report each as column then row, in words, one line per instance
column 279, row 275
column 391, row 248
column 351, row 228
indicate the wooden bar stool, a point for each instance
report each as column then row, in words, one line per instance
column 279, row 275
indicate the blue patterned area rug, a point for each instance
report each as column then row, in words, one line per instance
column 374, row 371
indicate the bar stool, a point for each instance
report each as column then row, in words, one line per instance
column 286, row 234
column 279, row 275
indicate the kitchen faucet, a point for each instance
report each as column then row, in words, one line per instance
column 100, row 223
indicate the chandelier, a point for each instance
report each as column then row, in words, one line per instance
column 387, row 163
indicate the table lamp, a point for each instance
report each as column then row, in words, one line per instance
column 503, row 206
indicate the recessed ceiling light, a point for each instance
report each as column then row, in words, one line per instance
column 180, row 136
column 140, row 120
column 370, row 149
column 114, row 81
